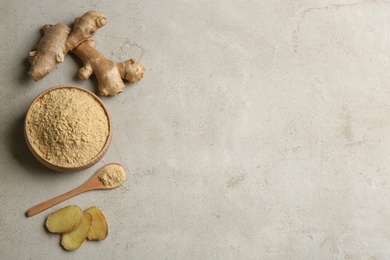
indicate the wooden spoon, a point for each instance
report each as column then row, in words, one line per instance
column 109, row 176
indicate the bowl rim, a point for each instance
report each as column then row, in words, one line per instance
column 61, row 168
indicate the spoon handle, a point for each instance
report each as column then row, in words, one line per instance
column 47, row 204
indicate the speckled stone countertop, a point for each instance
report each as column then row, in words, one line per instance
column 260, row 130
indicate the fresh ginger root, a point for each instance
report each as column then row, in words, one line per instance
column 85, row 27
column 58, row 40
column 108, row 73
column 50, row 51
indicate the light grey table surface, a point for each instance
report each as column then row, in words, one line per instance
column 260, row 130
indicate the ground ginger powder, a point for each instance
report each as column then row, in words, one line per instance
column 112, row 175
column 68, row 127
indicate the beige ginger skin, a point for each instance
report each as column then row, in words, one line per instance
column 85, row 27
column 50, row 51
column 108, row 73
column 59, row 39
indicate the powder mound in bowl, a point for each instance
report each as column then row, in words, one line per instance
column 68, row 128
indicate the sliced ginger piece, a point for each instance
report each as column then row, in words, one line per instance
column 74, row 239
column 64, row 220
column 99, row 229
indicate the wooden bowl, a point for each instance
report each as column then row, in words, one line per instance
column 47, row 158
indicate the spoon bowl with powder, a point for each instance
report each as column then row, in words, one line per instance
column 109, row 176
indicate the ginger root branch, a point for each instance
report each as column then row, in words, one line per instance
column 108, row 73
column 50, row 51
column 59, row 39
column 85, row 27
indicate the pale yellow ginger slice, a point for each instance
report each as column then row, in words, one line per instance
column 74, row 239
column 64, row 220
column 99, row 230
